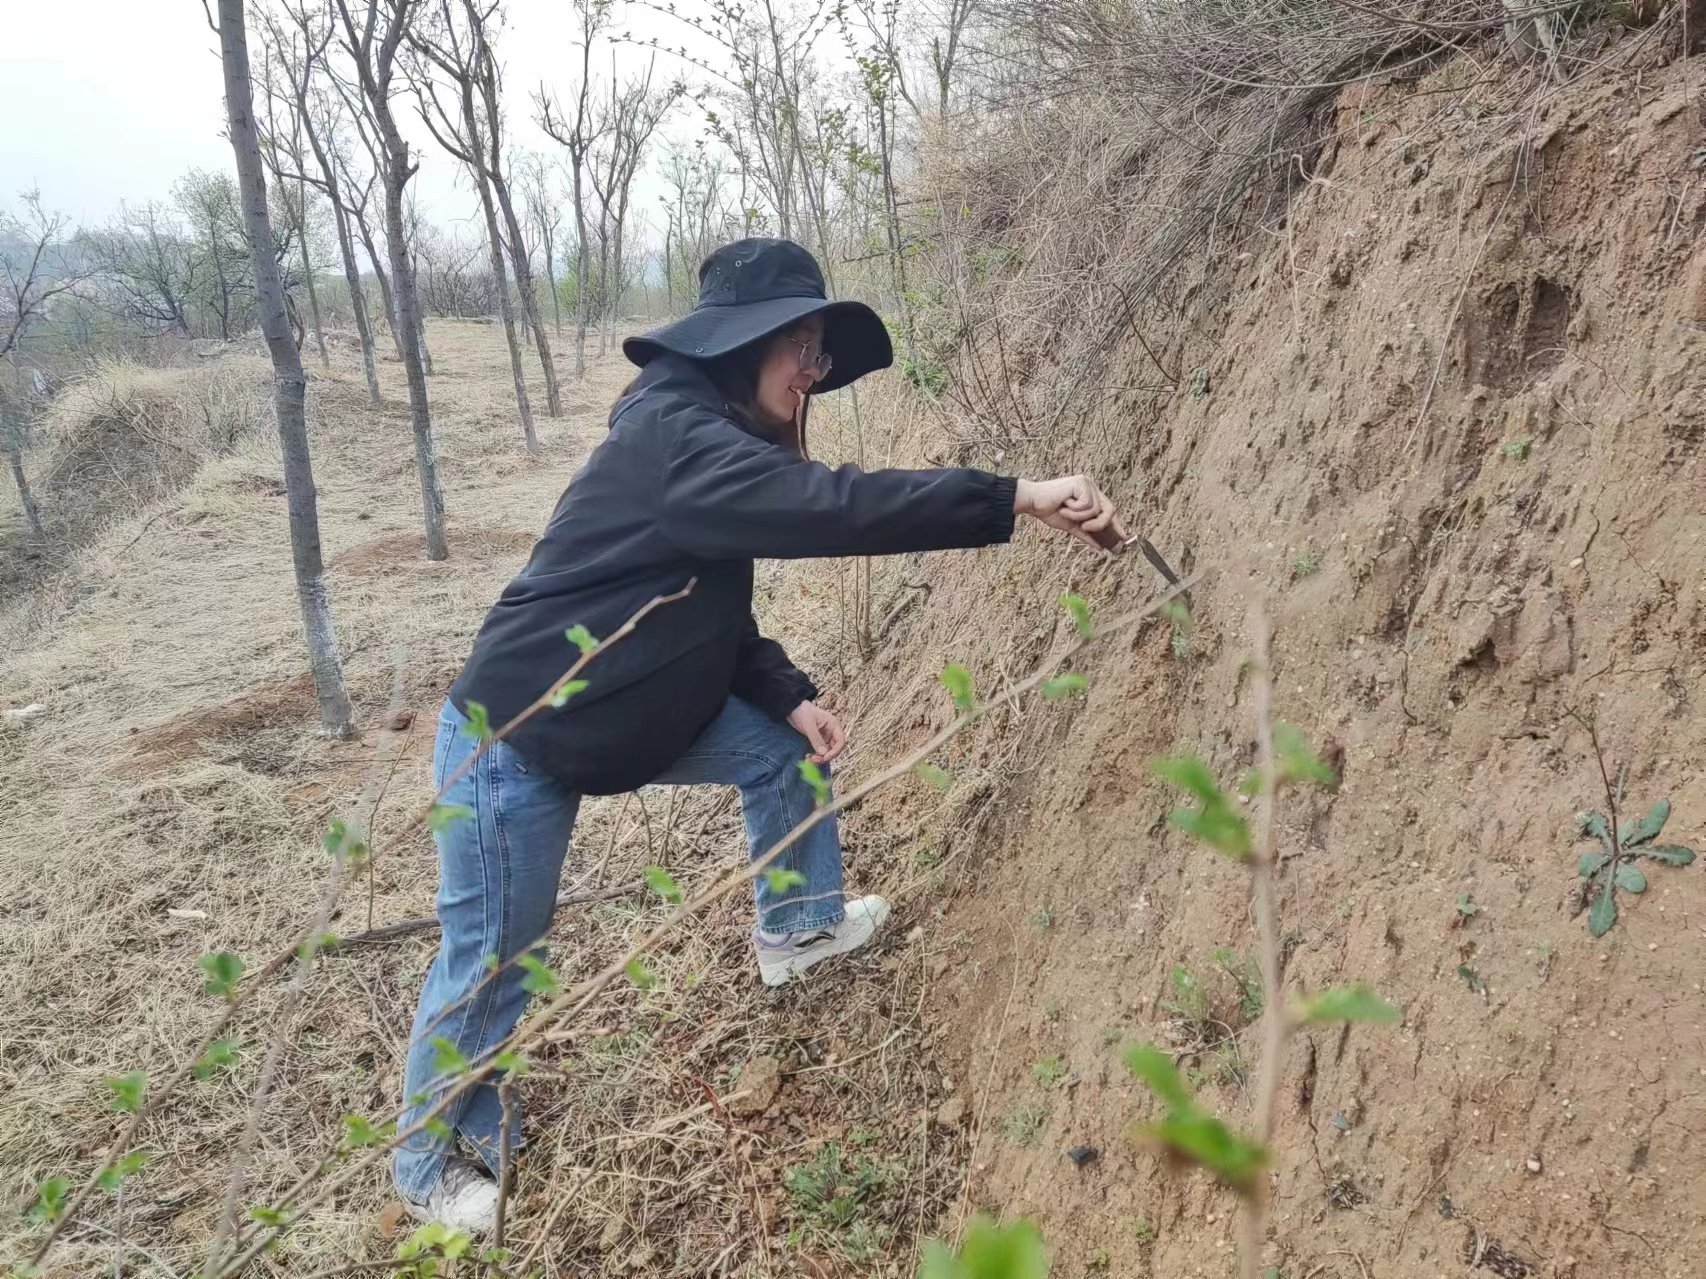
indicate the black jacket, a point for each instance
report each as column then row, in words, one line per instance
column 677, row 491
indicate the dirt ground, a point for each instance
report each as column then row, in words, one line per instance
column 1446, row 423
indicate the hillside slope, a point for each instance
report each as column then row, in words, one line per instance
column 1446, row 418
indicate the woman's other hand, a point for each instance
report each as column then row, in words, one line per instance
column 825, row 733
column 1072, row 503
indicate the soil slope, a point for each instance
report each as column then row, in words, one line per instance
column 1446, row 418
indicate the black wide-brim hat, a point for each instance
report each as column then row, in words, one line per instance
column 752, row 289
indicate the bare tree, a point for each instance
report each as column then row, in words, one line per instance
column 282, row 150
column 209, row 202
column 636, row 109
column 577, row 138
column 372, row 43
column 295, row 56
column 148, row 269
column 37, row 266
column 289, row 389
column 488, row 83
column 449, row 46
column 545, row 217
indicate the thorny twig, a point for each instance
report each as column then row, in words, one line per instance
column 1275, row 1019
column 240, row 998
column 575, row 999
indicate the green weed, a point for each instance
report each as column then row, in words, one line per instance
column 1612, row 867
column 1023, row 1124
column 1307, row 562
column 1049, row 1071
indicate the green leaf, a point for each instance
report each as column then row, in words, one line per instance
column 221, row 1055
column 1466, row 909
column 540, row 980
column 1647, row 829
column 128, row 1091
column 989, row 1251
column 359, row 1131
column 1631, row 879
column 1669, row 854
column 941, row 779
column 341, row 842
column 1064, row 685
column 269, row 1216
column 1590, row 864
column 1603, row 913
column 512, row 1063
column 780, row 880
column 479, row 721
column 816, row 780
column 1216, row 823
column 1594, row 825
column 125, row 1166
column 441, row 817
column 1080, row 612
column 660, row 882
column 581, row 638
column 1355, row 1002
column 335, row 835
column 1177, row 613
column 49, row 1205
column 1472, row 979
column 957, row 680
column 447, row 1058
column 224, row 970
column 1205, row 1139
column 1156, row 1069
column 436, row 1127
column 1295, row 762
column 560, row 698
column 640, row 974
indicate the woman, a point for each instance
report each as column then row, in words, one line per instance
column 704, row 470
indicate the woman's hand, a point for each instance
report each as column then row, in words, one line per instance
column 825, row 733
column 1072, row 504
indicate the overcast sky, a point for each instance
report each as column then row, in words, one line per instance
column 107, row 101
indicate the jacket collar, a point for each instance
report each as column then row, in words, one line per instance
column 676, row 375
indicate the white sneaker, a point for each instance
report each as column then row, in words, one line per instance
column 466, row 1198
column 780, row 958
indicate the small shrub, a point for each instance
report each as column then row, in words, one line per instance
column 1023, row 1124
column 1306, row 563
column 1049, row 1071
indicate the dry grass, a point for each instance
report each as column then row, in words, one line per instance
column 169, row 801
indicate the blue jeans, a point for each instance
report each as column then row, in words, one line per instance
column 497, row 890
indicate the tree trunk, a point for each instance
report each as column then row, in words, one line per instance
column 385, row 295
column 505, row 312
column 529, row 296
column 308, row 274
column 580, row 277
column 32, row 513
column 412, row 345
column 289, row 382
column 357, row 302
column 551, row 279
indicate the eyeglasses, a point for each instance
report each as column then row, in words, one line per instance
column 817, row 365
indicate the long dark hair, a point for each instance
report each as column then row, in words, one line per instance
column 735, row 375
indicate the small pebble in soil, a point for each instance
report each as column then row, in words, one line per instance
column 1081, row 1155
column 1340, row 1122
column 1534, row 1164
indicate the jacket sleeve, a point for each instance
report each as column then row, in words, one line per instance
column 729, row 495
column 765, row 677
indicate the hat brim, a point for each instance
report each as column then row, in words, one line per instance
column 853, row 334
